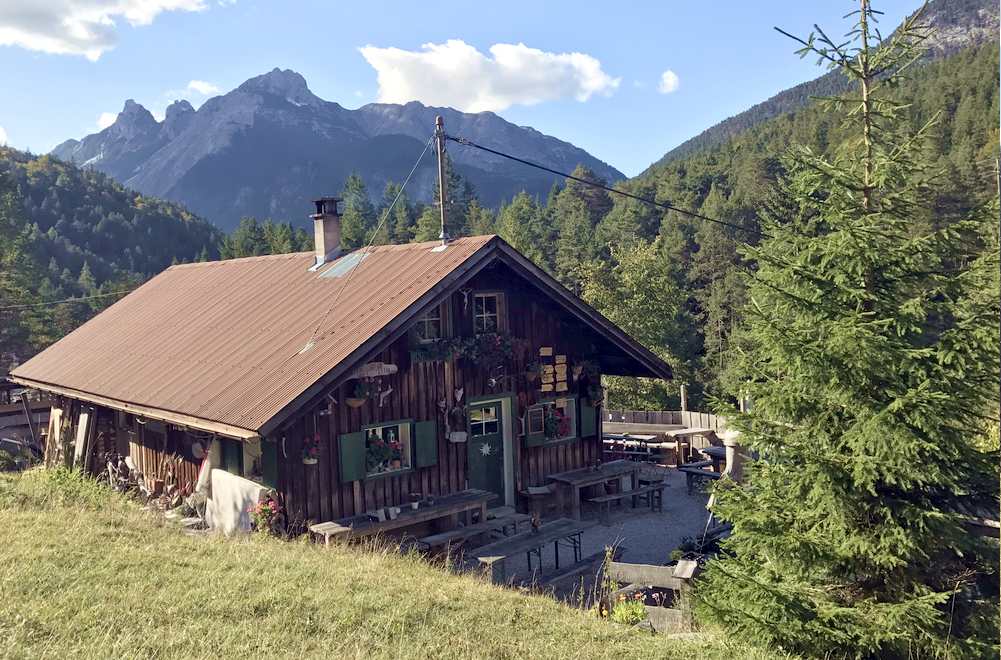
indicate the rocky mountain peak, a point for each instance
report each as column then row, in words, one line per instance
column 281, row 82
column 177, row 109
column 177, row 117
column 133, row 120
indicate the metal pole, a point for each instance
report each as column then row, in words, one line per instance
column 439, row 137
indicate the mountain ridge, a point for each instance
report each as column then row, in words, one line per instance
column 270, row 143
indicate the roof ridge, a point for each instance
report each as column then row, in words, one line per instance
column 258, row 257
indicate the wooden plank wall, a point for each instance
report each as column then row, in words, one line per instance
column 162, row 456
column 314, row 492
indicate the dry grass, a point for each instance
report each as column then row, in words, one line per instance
column 86, row 573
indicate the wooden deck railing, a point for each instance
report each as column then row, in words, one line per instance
column 686, row 418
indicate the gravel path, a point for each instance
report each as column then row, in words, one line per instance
column 645, row 537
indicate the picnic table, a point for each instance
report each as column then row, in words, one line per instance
column 561, row 531
column 684, row 437
column 717, row 455
column 447, row 507
column 569, row 484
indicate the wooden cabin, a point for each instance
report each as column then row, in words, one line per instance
column 346, row 381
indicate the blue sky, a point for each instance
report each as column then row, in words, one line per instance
column 65, row 63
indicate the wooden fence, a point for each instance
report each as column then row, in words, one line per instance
column 686, row 418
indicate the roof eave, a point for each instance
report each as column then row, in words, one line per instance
column 657, row 367
column 168, row 416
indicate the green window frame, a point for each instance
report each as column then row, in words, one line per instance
column 536, row 416
column 355, row 458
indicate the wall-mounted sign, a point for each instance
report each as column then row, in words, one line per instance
column 374, row 370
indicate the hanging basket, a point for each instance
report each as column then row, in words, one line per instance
column 309, row 461
column 355, row 402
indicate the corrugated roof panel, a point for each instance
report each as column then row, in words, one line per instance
column 222, row 341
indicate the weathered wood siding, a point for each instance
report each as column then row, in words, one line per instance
column 315, row 492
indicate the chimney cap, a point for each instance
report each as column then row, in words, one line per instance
column 326, row 206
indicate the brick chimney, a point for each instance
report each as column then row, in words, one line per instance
column 326, row 230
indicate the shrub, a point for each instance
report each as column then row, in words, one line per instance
column 629, row 611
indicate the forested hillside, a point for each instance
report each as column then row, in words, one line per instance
column 956, row 24
column 70, row 232
column 673, row 280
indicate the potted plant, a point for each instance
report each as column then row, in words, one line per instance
column 377, row 455
column 265, row 515
column 311, row 449
column 533, row 371
column 363, row 391
column 396, row 454
column 550, row 423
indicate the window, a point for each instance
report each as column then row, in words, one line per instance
column 429, row 327
column 486, row 313
column 483, row 421
column 552, row 421
column 387, row 448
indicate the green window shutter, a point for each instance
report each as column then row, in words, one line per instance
column 269, row 462
column 533, row 439
column 232, row 456
column 588, row 420
column 425, row 437
column 352, row 455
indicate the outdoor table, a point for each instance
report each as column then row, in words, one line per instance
column 531, row 543
column 570, row 483
column 684, row 436
column 717, row 455
column 446, row 506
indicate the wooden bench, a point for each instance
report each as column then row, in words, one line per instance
column 563, row 531
column 460, row 535
column 329, row 530
column 654, row 494
column 695, row 472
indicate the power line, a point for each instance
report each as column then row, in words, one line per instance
column 310, row 342
column 63, row 301
column 663, row 205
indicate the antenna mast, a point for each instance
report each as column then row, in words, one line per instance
column 439, row 138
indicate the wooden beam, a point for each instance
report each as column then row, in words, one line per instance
column 178, row 419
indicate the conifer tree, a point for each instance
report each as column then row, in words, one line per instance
column 872, row 363
column 359, row 214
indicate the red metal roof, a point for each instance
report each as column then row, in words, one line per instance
column 222, row 341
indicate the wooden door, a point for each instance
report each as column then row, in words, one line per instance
column 485, row 447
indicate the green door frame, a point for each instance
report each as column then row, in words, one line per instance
column 509, row 438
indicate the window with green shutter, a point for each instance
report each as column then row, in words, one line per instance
column 552, row 421
column 425, row 444
column 351, row 447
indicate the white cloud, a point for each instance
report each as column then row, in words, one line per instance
column 458, row 75
column 3, row 136
column 668, row 82
column 105, row 119
column 201, row 87
column 78, row 27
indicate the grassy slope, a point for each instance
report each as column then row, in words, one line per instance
column 99, row 577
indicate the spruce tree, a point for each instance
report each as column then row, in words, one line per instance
column 871, row 358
